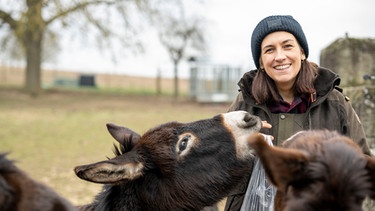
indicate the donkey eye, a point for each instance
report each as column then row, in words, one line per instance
column 183, row 144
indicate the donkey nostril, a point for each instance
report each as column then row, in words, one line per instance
column 249, row 119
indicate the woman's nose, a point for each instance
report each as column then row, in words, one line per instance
column 280, row 55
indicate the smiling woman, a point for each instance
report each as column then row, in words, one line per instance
column 290, row 92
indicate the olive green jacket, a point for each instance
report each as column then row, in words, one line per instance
column 331, row 110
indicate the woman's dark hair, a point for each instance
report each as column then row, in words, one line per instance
column 264, row 89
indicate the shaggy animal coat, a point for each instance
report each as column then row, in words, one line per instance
column 317, row 170
column 19, row 192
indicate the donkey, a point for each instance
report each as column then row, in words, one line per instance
column 317, row 170
column 174, row 166
column 20, row 192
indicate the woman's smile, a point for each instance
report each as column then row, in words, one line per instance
column 282, row 67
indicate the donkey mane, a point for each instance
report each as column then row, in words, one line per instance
column 6, row 165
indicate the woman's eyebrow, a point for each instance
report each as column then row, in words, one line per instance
column 283, row 42
column 287, row 40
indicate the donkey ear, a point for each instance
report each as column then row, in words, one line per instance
column 110, row 171
column 123, row 135
column 371, row 171
column 282, row 165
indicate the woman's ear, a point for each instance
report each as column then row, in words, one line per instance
column 303, row 56
column 261, row 64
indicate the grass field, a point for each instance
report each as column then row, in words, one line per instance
column 51, row 134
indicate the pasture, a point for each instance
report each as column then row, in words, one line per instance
column 51, row 134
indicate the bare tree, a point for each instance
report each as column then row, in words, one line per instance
column 183, row 36
column 31, row 21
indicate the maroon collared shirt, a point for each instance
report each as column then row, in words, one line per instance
column 298, row 106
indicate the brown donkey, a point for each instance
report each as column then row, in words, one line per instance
column 317, row 170
column 174, row 166
column 19, row 192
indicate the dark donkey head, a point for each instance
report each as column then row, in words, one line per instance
column 317, row 170
column 19, row 192
column 174, row 166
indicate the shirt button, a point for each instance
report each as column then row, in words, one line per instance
column 282, row 116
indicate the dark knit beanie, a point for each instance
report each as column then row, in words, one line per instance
column 272, row 24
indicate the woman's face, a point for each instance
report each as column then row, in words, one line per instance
column 281, row 57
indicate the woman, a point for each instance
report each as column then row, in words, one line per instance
column 289, row 92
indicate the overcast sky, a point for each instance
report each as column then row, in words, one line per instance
column 229, row 31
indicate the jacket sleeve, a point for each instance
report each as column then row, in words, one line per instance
column 236, row 104
column 356, row 129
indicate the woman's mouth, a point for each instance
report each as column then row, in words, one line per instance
column 282, row 67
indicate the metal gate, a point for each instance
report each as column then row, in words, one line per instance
column 214, row 83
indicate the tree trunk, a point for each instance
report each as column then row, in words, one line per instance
column 33, row 67
column 175, row 94
column 32, row 41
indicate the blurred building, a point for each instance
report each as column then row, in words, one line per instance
column 213, row 83
column 354, row 60
column 351, row 58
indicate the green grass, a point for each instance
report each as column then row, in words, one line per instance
column 144, row 91
column 51, row 134
column 113, row 90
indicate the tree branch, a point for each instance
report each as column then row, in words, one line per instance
column 7, row 18
column 78, row 7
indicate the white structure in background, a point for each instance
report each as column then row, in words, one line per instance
column 213, row 83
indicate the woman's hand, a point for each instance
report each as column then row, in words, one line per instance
column 265, row 124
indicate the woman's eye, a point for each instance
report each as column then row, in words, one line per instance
column 288, row 46
column 268, row 50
